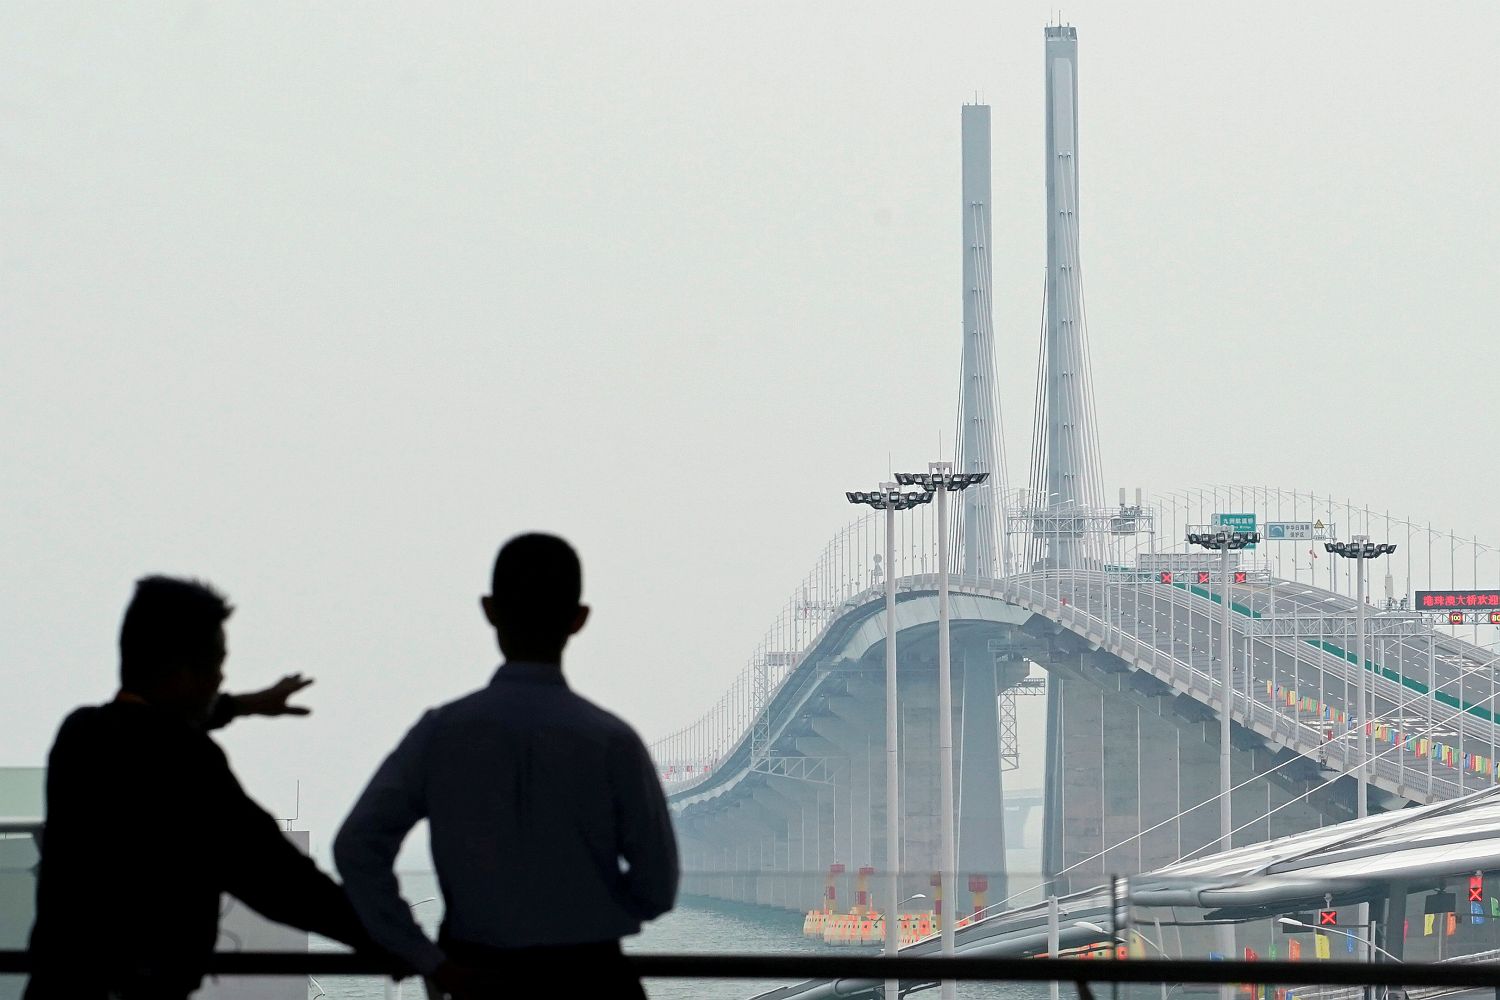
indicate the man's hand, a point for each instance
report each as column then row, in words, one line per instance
column 273, row 700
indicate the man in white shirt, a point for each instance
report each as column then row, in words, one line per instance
column 550, row 832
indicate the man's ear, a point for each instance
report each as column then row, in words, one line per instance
column 579, row 619
column 488, row 604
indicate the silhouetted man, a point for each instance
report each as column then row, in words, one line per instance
column 549, row 828
column 146, row 825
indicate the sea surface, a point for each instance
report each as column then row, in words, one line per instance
column 695, row 926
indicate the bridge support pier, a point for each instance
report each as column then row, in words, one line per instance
column 1133, row 775
column 981, row 813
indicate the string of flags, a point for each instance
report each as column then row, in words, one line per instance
column 1422, row 746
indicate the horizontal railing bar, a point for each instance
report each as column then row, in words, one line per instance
column 915, row 968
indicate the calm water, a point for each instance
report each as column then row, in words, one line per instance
column 694, row 927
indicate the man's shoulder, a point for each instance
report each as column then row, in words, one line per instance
column 606, row 720
column 113, row 736
column 490, row 700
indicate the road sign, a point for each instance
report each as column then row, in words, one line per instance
column 1289, row 531
column 1322, row 531
column 1431, row 600
column 1236, row 522
column 1328, row 918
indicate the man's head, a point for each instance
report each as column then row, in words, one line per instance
column 534, row 597
column 172, row 646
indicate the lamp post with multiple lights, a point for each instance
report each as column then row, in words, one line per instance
column 1359, row 548
column 1225, row 542
column 889, row 499
column 940, row 479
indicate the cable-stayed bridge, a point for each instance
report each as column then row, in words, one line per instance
column 1103, row 610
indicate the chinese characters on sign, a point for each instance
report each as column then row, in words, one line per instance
column 1432, row 600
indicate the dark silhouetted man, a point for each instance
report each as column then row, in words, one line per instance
column 550, row 832
column 146, row 825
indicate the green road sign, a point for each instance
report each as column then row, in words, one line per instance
column 1236, row 522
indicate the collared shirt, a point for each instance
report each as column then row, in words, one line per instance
column 548, row 823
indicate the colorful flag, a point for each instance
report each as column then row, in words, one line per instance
column 1294, row 950
column 1320, row 943
column 1427, row 922
column 1452, row 924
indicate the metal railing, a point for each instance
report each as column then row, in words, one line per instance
column 915, row 972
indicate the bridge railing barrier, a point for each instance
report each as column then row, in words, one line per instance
column 856, row 975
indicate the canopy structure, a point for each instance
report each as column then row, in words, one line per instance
column 1385, row 860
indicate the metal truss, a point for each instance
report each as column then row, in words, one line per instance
column 1079, row 521
column 760, row 727
column 813, row 770
column 1010, row 744
column 1378, row 626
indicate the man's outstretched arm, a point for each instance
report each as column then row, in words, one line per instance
column 270, row 701
column 366, row 847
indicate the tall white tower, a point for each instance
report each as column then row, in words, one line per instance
column 979, row 529
column 1065, row 472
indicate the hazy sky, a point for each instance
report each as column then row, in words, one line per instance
column 323, row 304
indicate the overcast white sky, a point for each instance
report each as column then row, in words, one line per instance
column 323, row 304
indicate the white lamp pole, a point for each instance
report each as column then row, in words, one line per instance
column 890, row 500
column 1225, row 541
column 941, row 479
column 1360, row 548
column 945, row 729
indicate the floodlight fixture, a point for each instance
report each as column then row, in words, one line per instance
column 1360, row 548
column 934, row 481
column 1221, row 540
column 889, row 499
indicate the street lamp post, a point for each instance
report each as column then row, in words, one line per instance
column 1359, row 548
column 890, row 500
column 1225, row 542
column 942, row 480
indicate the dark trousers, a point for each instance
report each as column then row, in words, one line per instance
column 593, row 971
